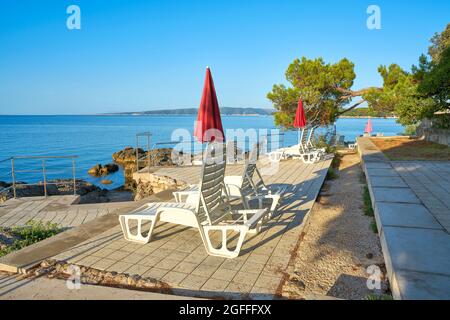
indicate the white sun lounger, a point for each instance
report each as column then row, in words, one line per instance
column 211, row 214
column 242, row 187
column 307, row 154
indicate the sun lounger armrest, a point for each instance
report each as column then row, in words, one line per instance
column 173, row 209
column 252, row 217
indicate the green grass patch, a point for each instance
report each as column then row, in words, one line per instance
column 31, row 233
column 332, row 174
column 373, row 226
column 368, row 209
column 336, row 160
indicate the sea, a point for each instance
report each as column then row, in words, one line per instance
column 93, row 139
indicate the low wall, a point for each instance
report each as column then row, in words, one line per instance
column 427, row 132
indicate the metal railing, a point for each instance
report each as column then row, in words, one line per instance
column 193, row 148
column 44, row 170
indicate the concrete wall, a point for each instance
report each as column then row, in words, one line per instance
column 429, row 133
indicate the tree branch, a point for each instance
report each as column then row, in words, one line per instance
column 352, row 107
column 351, row 94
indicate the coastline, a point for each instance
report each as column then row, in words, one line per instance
column 365, row 117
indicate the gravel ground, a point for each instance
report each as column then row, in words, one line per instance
column 338, row 244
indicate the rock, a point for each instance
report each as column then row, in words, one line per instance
column 95, row 170
column 127, row 154
column 6, row 238
column 106, row 181
column 156, row 184
column 294, row 287
column 99, row 170
column 156, row 157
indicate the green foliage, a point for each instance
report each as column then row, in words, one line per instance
column 367, row 112
column 439, row 43
column 436, row 82
column 331, row 174
column 373, row 226
column 326, row 88
column 410, row 130
column 399, row 95
column 322, row 87
column 31, row 233
column 441, row 121
column 368, row 210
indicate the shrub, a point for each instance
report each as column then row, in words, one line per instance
column 410, row 130
column 331, row 174
column 31, row 233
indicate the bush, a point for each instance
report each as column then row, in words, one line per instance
column 410, row 130
column 331, row 174
column 31, row 233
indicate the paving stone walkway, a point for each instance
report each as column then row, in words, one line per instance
column 176, row 254
column 55, row 209
column 14, row 287
column 430, row 182
column 411, row 204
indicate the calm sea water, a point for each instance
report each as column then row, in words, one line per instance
column 94, row 138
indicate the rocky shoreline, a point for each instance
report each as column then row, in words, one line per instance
column 90, row 193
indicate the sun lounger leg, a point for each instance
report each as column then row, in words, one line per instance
column 223, row 250
column 138, row 237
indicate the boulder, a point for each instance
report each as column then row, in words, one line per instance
column 127, row 155
column 127, row 159
column 99, row 170
column 156, row 184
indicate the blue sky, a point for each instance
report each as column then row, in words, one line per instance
column 142, row 55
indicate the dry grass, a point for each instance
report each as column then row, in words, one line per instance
column 401, row 148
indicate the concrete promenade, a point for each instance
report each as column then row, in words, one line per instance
column 411, row 200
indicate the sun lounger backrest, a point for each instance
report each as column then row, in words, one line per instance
column 309, row 143
column 211, row 205
column 303, row 140
column 249, row 170
column 250, row 185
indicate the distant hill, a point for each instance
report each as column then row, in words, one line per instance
column 229, row 111
column 366, row 112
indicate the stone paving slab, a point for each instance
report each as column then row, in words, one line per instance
column 430, row 181
column 390, row 182
column 13, row 287
column 423, row 286
column 395, row 195
column 380, row 172
column 406, row 215
column 176, row 254
column 378, row 165
column 422, row 250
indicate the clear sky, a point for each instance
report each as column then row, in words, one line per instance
column 142, row 54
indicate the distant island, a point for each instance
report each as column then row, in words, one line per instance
column 366, row 112
column 228, row 111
